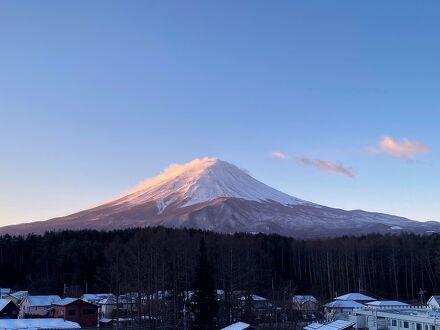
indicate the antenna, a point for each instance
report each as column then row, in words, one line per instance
column 422, row 296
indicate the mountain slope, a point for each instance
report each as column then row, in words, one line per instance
column 214, row 195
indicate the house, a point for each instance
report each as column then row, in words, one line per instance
column 37, row 306
column 257, row 301
column 4, row 292
column 238, row 326
column 8, row 310
column 76, row 310
column 434, row 302
column 358, row 297
column 95, row 297
column 336, row 325
column 338, row 307
column 106, row 303
column 305, row 303
column 261, row 307
column 17, row 297
column 33, row 324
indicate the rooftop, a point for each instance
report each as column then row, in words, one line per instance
column 344, row 304
column 237, row 326
column 355, row 296
column 22, row 324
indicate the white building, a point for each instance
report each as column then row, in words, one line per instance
column 106, row 303
column 434, row 302
column 37, row 305
column 403, row 318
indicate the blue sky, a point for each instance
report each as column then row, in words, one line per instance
column 95, row 96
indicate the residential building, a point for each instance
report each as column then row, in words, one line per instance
column 106, row 303
column 305, row 303
column 434, row 302
column 4, row 292
column 8, row 310
column 37, row 306
column 17, row 297
column 403, row 318
column 76, row 310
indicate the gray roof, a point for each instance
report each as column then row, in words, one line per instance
column 42, row 300
column 19, row 294
column 65, row 301
column 336, row 325
column 344, row 304
column 355, row 296
column 386, row 303
column 301, row 299
column 237, row 326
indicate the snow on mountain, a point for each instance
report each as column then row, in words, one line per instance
column 211, row 194
column 203, row 180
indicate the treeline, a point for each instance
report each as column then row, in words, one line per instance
column 158, row 259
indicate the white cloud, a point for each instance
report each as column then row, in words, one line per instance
column 278, row 155
column 406, row 148
column 325, row 165
column 318, row 164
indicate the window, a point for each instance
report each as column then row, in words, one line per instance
column 418, row 326
column 72, row 312
column 406, row 324
column 394, row 323
column 88, row 311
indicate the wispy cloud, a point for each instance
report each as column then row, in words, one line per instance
column 406, row 148
column 318, row 164
column 325, row 165
column 278, row 155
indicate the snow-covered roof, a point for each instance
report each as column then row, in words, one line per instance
column 5, row 290
column 23, row 324
column 65, row 301
column 254, row 297
column 336, row 325
column 355, row 296
column 237, row 326
column 96, row 297
column 436, row 298
column 105, row 320
column 301, row 299
column 19, row 294
column 107, row 301
column 42, row 300
column 386, row 303
column 344, row 304
column 3, row 303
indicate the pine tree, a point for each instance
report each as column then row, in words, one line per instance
column 204, row 303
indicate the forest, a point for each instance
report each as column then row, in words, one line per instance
column 155, row 259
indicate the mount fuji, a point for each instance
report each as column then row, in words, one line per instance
column 212, row 194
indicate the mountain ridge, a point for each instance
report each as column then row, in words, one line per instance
column 215, row 195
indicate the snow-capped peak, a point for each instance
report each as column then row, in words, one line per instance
column 203, row 180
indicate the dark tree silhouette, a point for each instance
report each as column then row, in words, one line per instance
column 204, row 302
